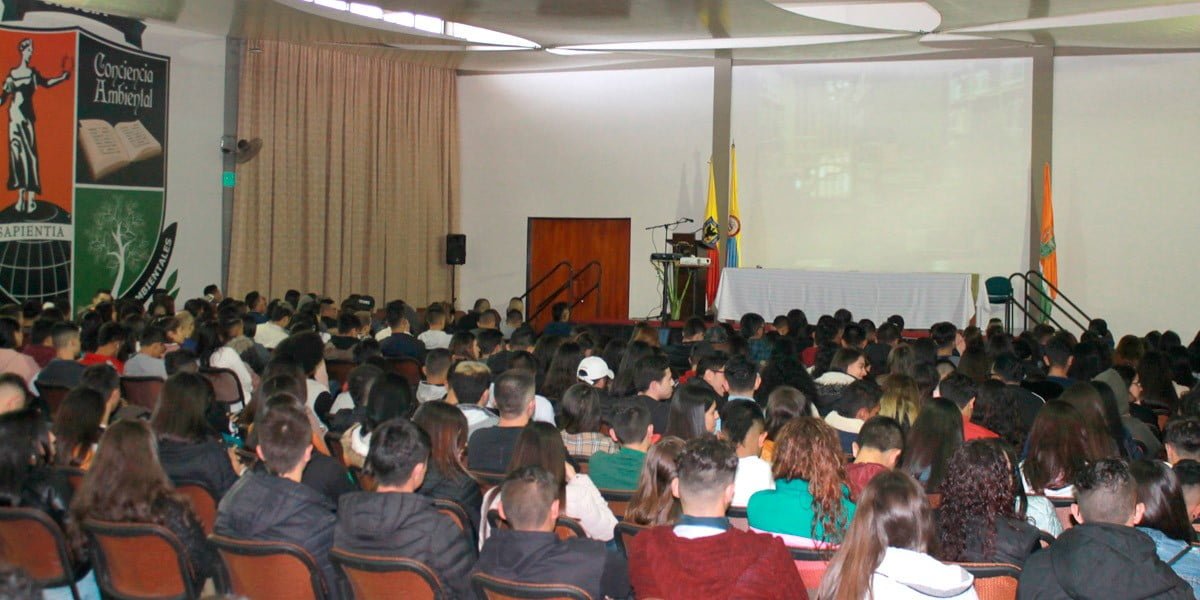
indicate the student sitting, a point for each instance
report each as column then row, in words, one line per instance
column 877, row 450
column 389, row 397
column 446, row 476
column 702, row 556
column 1188, row 472
column 109, row 341
column 394, row 520
column 652, row 502
column 580, row 421
column 530, row 552
column 960, row 390
column 1103, row 556
column 1181, row 438
column 810, row 500
column 693, row 411
column 631, row 427
column 1166, row 519
column 436, row 368
column 188, row 448
column 271, row 504
column 435, row 337
column 341, row 346
column 978, row 520
column 469, row 382
column 859, row 401
column 64, row 370
column 148, row 362
column 490, row 449
column 886, row 551
column 744, row 426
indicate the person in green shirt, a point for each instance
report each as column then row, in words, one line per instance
column 631, row 427
column 810, row 499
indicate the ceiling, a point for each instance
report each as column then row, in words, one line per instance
column 657, row 33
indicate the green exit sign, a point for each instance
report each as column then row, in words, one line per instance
column 228, row 179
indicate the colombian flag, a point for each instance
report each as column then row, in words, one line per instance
column 712, row 235
column 732, row 258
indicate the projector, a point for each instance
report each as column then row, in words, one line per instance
column 695, row 261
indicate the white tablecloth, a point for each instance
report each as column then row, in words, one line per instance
column 921, row 298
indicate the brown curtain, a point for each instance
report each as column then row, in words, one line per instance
column 356, row 185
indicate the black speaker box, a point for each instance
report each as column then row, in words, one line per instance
column 456, row 249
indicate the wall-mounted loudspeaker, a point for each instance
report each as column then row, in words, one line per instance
column 456, row 249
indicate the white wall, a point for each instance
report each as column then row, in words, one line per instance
column 1127, row 224
column 595, row 144
column 197, row 108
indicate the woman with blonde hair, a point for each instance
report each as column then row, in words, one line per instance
column 901, row 400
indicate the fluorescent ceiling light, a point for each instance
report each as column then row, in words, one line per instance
column 334, row 4
column 734, row 43
column 1110, row 17
column 569, row 52
column 366, row 10
column 423, row 24
column 897, row 16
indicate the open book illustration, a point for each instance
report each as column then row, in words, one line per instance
column 108, row 148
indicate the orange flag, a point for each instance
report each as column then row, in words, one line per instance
column 1049, row 257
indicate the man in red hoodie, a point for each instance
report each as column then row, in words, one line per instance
column 702, row 556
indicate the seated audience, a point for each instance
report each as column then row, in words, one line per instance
column 742, row 378
column 390, row 397
column 744, row 426
column 39, row 344
column 394, row 520
column 560, row 314
column 469, row 382
column 680, row 354
column 540, row 444
column 710, row 368
column 1057, row 451
column 654, row 386
column 188, row 448
column 211, row 338
column 435, row 336
column 1106, row 439
column 693, row 411
column 847, row 366
column 341, row 345
column 464, row 346
column 784, row 403
column 595, row 372
column 446, row 476
column 325, row 474
column 77, row 427
column 810, row 499
column 580, row 422
column 887, row 549
column 562, row 372
column 996, row 410
column 977, row 520
column 126, row 484
column 936, row 434
column 1104, row 556
column 64, row 370
column 400, row 342
column 652, row 502
column 632, row 429
column 490, row 449
column 858, row 402
column 109, row 341
column 530, row 551
column 148, row 362
column 308, row 351
column 274, row 330
column 350, row 407
column 1166, row 519
column 436, row 369
column 961, row 390
column 702, row 555
column 270, row 504
column 877, row 450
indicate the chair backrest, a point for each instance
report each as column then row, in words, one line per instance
column 626, row 531
column 1062, row 509
column 31, row 540
column 564, row 527
column 455, row 511
column 339, row 370
column 407, row 367
column 204, row 502
column 53, row 396
column 269, row 569
column 994, row 581
column 368, row 576
column 999, row 289
column 811, row 564
column 935, row 500
column 618, row 501
column 581, row 462
column 142, row 391
column 139, row 560
column 226, row 387
column 487, row 480
column 491, row 587
column 738, row 517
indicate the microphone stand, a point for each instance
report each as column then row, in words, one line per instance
column 664, row 315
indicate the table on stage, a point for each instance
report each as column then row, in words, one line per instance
column 921, row 298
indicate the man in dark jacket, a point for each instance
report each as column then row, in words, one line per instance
column 395, row 521
column 530, row 552
column 1104, row 557
column 272, row 505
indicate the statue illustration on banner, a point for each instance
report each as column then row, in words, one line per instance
column 87, row 143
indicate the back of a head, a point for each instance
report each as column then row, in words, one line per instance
column 706, row 467
column 1159, row 491
column 858, row 396
column 935, row 435
column 1183, row 436
column 469, row 380
column 887, row 333
column 1057, row 351
column 514, row 392
column 741, row 374
column 648, row 370
column 943, row 334
column 284, row 434
column 739, row 417
column 629, row 421
column 180, row 412
column 853, row 335
column 751, row 324
column 958, row 388
column 397, row 447
column 390, row 397
column 881, row 433
column 1106, row 492
column 526, row 495
column 102, row 378
column 62, row 334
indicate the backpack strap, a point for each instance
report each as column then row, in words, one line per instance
column 1179, row 555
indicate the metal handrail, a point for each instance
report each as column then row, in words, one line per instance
column 1033, row 290
column 553, row 295
column 556, row 267
column 595, row 287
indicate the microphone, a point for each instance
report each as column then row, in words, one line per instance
column 686, row 220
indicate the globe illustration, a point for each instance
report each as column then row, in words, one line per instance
column 35, row 269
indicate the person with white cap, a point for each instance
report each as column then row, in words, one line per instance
column 595, row 372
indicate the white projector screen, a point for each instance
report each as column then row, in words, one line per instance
column 919, row 166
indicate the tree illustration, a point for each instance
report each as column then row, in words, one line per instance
column 116, row 237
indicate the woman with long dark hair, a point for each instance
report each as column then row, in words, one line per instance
column 1166, row 518
column 446, row 477
column 933, row 439
column 693, row 411
column 540, row 444
column 1058, row 449
column 1154, row 387
column 622, row 384
column 1104, row 438
column 563, row 371
column 886, row 552
column 188, row 448
column 810, row 499
column 652, row 503
column 996, row 410
column 784, row 369
column 580, row 422
column 978, row 519
column 78, row 424
column 390, row 397
column 211, row 338
column 127, row 485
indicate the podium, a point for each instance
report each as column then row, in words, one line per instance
column 693, row 299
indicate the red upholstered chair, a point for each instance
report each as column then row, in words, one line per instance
column 455, row 511
column 368, row 576
column 994, row 581
column 339, row 370
column 407, row 367
column 227, row 389
column 269, row 570
column 811, row 564
column 142, row 391
column 626, row 531
column 496, row 588
column 738, row 517
column 139, row 560
column 618, row 501
column 31, row 540
column 74, row 476
column 204, row 502
column 53, row 395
